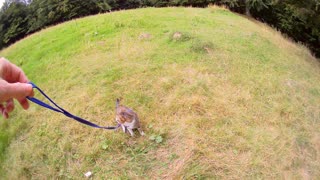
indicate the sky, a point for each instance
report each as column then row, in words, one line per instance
column 1, row 2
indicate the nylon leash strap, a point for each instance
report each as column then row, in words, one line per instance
column 63, row 111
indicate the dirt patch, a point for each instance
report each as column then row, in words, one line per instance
column 145, row 36
column 291, row 83
column 102, row 43
column 180, row 36
column 177, row 35
column 208, row 49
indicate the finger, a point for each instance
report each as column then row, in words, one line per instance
column 18, row 75
column 9, row 106
column 12, row 73
column 1, row 108
column 24, row 103
column 32, row 92
column 19, row 90
column 5, row 114
column 3, row 111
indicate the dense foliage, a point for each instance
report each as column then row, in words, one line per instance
column 299, row 19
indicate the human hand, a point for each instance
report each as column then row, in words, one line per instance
column 13, row 84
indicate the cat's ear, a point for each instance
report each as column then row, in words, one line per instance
column 117, row 102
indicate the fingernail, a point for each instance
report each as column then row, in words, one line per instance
column 29, row 89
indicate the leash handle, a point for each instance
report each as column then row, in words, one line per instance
column 63, row 111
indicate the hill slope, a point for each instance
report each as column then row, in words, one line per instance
column 218, row 96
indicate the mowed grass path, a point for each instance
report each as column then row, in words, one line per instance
column 227, row 97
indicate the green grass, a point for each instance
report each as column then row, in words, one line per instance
column 230, row 99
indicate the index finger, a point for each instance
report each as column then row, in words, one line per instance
column 12, row 73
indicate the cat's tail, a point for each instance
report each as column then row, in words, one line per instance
column 117, row 102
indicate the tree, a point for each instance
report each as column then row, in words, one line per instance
column 13, row 21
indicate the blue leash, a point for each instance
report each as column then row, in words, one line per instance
column 61, row 110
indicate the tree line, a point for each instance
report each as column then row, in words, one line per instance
column 299, row 19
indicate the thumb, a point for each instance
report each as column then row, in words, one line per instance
column 19, row 90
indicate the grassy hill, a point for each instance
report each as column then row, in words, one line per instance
column 219, row 96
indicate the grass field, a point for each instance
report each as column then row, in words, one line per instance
column 219, row 96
